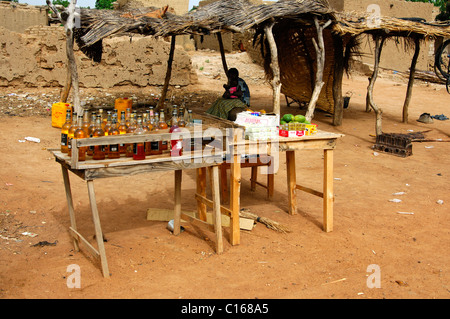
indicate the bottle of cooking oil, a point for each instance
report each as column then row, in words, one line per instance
column 99, row 150
column 65, row 131
column 72, row 129
column 80, row 133
column 113, row 149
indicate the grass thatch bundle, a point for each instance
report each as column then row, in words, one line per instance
column 271, row 224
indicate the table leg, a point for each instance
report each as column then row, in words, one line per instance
column 98, row 229
column 291, row 182
column 73, row 223
column 177, row 214
column 217, row 215
column 328, row 193
column 201, row 190
column 235, row 189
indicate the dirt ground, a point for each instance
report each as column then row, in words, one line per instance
column 407, row 241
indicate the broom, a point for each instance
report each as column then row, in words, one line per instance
column 271, row 224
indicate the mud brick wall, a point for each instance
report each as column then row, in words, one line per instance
column 37, row 58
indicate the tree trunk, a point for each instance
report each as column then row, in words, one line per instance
column 379, row 41
column 72, row 65
column 168, row 74
column 320, row 63
column 276, row 81
column 338, row 113
column 412, row 72
column 222, row 53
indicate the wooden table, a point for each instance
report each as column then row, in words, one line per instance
column 322, row 140
column 91, row 170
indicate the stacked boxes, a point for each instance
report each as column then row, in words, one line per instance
column 259, row 126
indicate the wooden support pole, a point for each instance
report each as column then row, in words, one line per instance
column 276, row 81
column 338, row 113
column 291, row 182
column 320, row 64
column 201, row 190
column 98, row 229
column 168, row 74
column 328, row 193
column 379, row 41
column 412, row 72
column 69, row 23
column 222, row 53
column 69, row 198
column 177, row 199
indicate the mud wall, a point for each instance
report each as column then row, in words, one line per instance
column 395, row 55
column 37, row 58
column 18, row 17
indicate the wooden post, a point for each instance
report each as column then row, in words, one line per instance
column 379, row 41
column 217, row 215
column 338, row 113
column 69, row 24
column 168, row 74
column 177, row 198
column 98, row 229
column 320, row 64
column 66, row 90
column 222, row 53
column 328, row 193
column 69, row 198
column 276, row 81
column 412, row 72
column 201, row 190
column 291, row 182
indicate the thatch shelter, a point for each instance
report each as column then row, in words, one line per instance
column 306, row 46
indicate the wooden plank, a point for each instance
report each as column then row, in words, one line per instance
column 69, row 198
column 235, row 189
column 196, row 221
column 177, row 198
column 210, row 203
column 201, row 190
column 328, row 191
column 77, row 236
column 291, row 182
column 140, row 169
column 217, row 216
column 98, row 229
column 309, row 190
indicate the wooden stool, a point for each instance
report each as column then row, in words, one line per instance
column 254, row 163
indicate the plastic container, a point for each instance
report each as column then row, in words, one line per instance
column 59, row 113
column 122, row 104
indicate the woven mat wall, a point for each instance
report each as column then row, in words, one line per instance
column 297, row 59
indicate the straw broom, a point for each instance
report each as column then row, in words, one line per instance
column 271, row 224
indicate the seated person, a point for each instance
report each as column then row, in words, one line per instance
column 235, row 99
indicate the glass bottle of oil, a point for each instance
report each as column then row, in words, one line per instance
column 108, row 123
column 80, row 133
column 181, row 119
column 113, row 151
column 123, row 130
column 72, row 129
column 139, row 147
column 162, row 125
column 131, row 128
column 85, row 123
column 99, row 150
column 90, row 150
column 65, row 132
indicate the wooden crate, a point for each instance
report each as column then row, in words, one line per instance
column 197, row 154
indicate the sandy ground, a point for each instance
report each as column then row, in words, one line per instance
column 409, row 251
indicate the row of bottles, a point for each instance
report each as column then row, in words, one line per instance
column 116, row 124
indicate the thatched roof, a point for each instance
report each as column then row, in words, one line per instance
column 352, row 23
